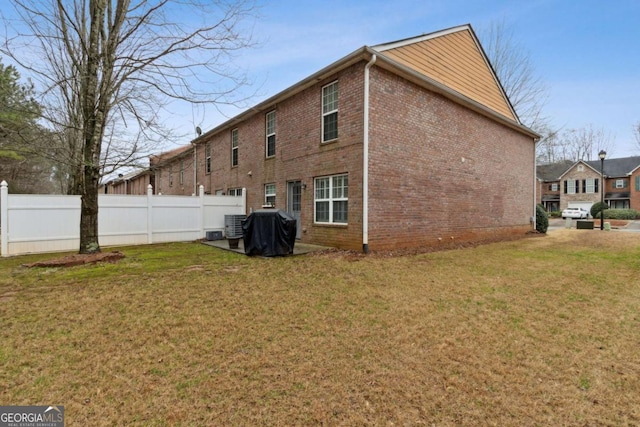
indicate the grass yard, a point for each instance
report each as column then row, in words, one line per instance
column 543, row 331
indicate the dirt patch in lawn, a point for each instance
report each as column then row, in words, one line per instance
column 79, row 259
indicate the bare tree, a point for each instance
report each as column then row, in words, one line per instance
column 636, row 133
column 107, row 67
column 513, row 65
column 585, row 143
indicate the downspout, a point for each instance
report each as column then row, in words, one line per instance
column 195, row 170
column 365, row 160
column 535, row 188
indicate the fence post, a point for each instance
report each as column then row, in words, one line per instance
column 244, row 200
column 4, row 217
column 201, row 225
column 149, row 214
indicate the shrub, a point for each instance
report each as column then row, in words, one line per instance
column 542, row 222
column 621, row 214
column 555, row 214
column 596, row 208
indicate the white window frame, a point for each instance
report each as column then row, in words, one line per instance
column 554, row 186
column 619, row 183
column 270, row 131
column 234, row 192
column 571, row 186
column 331, row 190
column 330, row 107
column 590, row 185
column 181, row 172
column 270, row 194
column 234, row 148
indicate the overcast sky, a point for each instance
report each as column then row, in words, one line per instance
column 587, row 51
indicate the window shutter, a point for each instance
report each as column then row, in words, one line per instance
column 625, row 184
column 595, row 185
column 638, row 183
column 584, row 185
column 565, row 187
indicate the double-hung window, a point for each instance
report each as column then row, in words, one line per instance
column 570, row 186
column 554, row 186
column 332, row 199
column 270, row 195
column 207, row 158
column 590, row 185
column 620, row 183
column 234, row 147
column 271, row 133
column 330, row 112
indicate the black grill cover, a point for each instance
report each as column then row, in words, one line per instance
column 269, row 233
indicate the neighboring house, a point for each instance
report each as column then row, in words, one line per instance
column 621, row 181
column 135, row 183
column 579, row 184
column 174, row 171
column 549, row 185
column 406, row 144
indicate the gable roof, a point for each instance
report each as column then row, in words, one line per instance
column 553, row 171
column 386, row 61
column 455, row 58
column 617, row 167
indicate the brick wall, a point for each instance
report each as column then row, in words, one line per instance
column 576, row 174
column 167, row 176
column 441, row 171
column 634, row 199
column 300, row 156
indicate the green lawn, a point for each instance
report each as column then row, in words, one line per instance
column 541, row 331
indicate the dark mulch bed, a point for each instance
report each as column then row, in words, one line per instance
column 79, row 259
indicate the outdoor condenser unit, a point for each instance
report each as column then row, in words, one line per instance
column 233, row 225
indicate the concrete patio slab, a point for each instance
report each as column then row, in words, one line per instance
column 298, row 249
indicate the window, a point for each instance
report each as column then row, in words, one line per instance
column 580, row 168
column 270, row 195
column 234, row 192
column 271, row 133
column 234, row 147
column 207, row 158
column 332, row 199
column 620, row 183
column 181, row 172
column 590, row 185
column 170, row 176
column 571, row 186
column 554, row 186
column 330, row 112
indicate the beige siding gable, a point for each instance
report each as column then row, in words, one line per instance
column 454, row 59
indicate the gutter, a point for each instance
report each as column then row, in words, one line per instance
column 365, row 159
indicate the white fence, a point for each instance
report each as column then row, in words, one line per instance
column 49, row 223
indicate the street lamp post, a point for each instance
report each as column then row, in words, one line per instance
column 602, row 154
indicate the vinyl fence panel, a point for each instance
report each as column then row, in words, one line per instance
column 47, row 223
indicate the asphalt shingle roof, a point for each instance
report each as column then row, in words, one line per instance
column 616, row 167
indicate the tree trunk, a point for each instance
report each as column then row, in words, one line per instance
column 89, row 212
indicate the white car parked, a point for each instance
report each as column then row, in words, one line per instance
column 578, row 213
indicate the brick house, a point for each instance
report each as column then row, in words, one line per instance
column 134, row 183
column 406, row 144
column 578, row 184
column 174, row 171
column 549, row 184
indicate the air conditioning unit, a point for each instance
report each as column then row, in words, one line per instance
column 233, row 225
